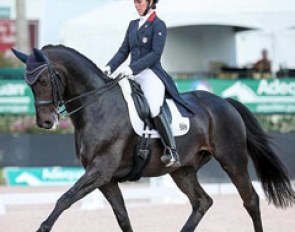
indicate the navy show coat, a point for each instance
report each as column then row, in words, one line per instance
column 146, row 46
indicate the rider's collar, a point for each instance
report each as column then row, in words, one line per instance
column 145, row 18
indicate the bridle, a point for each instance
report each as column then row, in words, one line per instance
column 55, row 78
column 57, row 98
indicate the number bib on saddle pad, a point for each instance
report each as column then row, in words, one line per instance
column 179, row 125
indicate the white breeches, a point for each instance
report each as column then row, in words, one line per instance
column 152, row 88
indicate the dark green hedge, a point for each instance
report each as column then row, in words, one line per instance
column 2, row 180
column 27, row 124
column 283, row 123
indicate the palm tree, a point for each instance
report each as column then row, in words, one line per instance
column 22, row 32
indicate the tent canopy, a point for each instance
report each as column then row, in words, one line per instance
column 115, row 16
column 89, row 32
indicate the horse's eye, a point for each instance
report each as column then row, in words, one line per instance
column 44, row 81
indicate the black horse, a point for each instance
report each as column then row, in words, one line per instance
column 104, row 138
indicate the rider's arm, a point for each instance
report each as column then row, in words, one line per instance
column 122, row 54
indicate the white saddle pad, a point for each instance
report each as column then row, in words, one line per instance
column 179, row 125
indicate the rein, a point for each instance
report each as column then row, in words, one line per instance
column 57, row 100
column 98, row 92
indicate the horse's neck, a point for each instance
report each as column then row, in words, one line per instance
column 105, row 112
column 80, row 81
column 80, row 76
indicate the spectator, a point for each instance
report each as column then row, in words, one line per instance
column 264, row 64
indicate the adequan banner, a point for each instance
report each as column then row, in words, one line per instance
column 42, row 176
column 16, row 97
column 260, row 96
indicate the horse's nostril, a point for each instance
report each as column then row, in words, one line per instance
column 47, row 124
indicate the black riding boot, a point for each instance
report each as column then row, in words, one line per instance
column 170, row 156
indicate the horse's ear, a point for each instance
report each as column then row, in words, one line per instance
column 21, row 56
column 39, row 55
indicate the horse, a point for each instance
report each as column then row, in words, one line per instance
column 223, row 129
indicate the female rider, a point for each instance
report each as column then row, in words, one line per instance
column 145, row 41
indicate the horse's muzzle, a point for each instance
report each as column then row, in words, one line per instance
column 47, row 121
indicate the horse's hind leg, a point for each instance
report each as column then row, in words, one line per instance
column 186, row 180
column 234, row 162
column 114, row 196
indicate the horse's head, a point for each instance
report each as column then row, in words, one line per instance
column 46, row 85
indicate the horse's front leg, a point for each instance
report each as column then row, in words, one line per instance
column 112, row 193
column 93, row 178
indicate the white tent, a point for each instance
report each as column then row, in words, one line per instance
column 99, row 33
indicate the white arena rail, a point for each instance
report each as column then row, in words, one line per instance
column 161, row 190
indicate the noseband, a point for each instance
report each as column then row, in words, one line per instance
column 57, row 98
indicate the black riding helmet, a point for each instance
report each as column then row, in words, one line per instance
column 150, row 6
column 154, row 4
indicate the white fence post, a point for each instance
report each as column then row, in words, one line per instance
column 163, row 190
column 92, row 201
column 2, row 207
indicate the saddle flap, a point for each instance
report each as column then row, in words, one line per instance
column 180, row 125
column 141, row 104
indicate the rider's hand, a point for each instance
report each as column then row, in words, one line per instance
column 127, row 72
column 106, row 70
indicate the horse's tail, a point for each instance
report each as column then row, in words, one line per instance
column 272, row 173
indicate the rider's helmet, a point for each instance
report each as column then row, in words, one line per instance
column 154, row 4
column 151, row 6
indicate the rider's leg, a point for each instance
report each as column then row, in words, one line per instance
column 154, row 91
column 170, row 156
